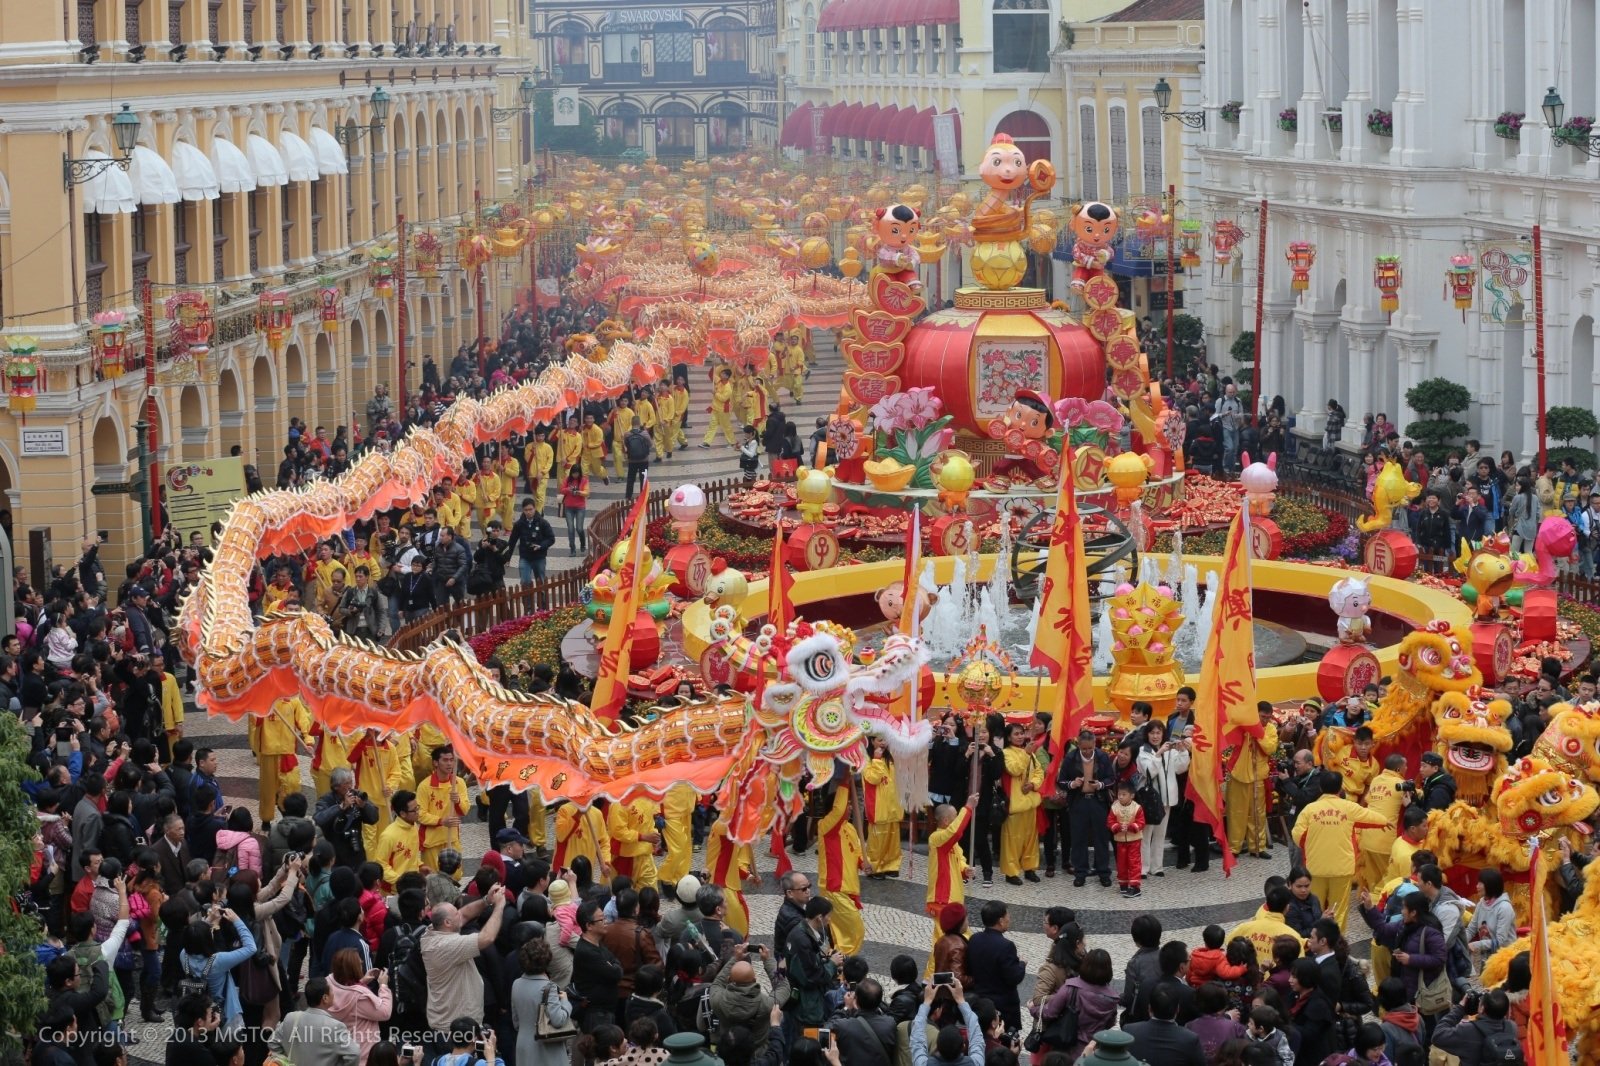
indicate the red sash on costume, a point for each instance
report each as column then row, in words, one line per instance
column 942, row 874
column 833, row 847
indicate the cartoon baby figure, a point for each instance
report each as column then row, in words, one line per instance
column 1094, row 227
column 896, row 227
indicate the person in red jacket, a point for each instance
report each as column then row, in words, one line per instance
column 1126, row 822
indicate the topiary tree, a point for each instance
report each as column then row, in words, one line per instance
column 1244, row 348
column 1440, row 398
column 21, row 977
column 1188, row 342
column 1567, row 424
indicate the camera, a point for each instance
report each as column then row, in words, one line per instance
column 1469, row 1003
column 944, row 977
column 1407, row 786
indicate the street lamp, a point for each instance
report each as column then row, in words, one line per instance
column 1586, row 141
column 350, row 133
column 1195, row 120
column 125, row 131
column 525, row 93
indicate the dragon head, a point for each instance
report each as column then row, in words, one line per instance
column 1572, row 740
column 1535, row 798
column 1440, row 658
column 1470, row 733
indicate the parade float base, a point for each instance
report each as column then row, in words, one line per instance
column 1291, row 595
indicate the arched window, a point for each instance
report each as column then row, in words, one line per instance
column 620, row 51
column 674, row 129
column 674, row 52
column 809, row 26
column 727, row 49
column 621, row 126
column 570, row 42
column 727, row 126
column 1021, row 36
column 1031, row 133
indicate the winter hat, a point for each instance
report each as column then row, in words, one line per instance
column 560, row 893
column 952, row 918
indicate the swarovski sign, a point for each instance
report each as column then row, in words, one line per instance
column 644, row 16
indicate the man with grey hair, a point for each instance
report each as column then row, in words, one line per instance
column 719, row 936
column 796, row 890
column 1230, row 412
column 340, row 815
column 455, row 987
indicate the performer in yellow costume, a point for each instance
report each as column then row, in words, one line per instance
column 510, row 468
column 722, row 407
column 680, row 404
column 727, row 865
column 455, row 510
column 329, row 752
column 792, row 367
column 428, row 737
column 645, row 411
column 1245, row 799
column 634, row 838
column 273, row 740
column 839, row 873
column 319, row 573
column 539, row 457
column 883, row 810
column 1383, row 796
column 678, row 807
column 755, row 400
column 620, row 421
column 947, row 863
column 1358, row 766
column 594, row 449
column 442, row 803
column 382, row 768
column 569, row 448
column 1019, row 835
column 1325, row 832
column 487, row 486
column 399, row 848
column 582, row 831
column 666, row 420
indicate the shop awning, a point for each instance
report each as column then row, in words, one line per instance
column 938, row 12
column 298, row 158
column 845, row 16
column 233, row 170
column 796, row 131
column 918, row 130
column 153, row 181
column 833, row 15
column 831, row 117
column 265, row 163
column 861, row 122
column 330, row 153
column 197, row 179
column 109, row 192
column 884, row 124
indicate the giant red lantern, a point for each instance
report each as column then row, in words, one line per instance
column 1301, row 255
column 273, row 317
column 110, row 341
column 1386, row 276
column 328, row 307
column 22, row 374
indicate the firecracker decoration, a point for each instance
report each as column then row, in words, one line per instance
column 380, row 270
column 1189, row 235
column 1386, row 276
column 22, row 374
column 274, row 317
column 1301, row 255
column 427, row 254
column 1461, row 281
column 190, row 314
column 328, row 297
column 110, row 342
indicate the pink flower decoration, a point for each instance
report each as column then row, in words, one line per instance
column 1104, row 417
column 924, row 406
column 891, row 413
column 1071, row 411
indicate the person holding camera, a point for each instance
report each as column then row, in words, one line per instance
column 341, row 814
column 1437, row 789
column 949, row 1049
column 1478, row 1030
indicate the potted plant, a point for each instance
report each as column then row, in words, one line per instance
column 1575, row 131
column 1333, row 121
column 1567, row 424
column 1289, row 119
column 1509, row 125
column 1439, row 399
column 1380, row 122
column 1230, row 111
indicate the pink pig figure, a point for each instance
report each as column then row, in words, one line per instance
column 1260, row 481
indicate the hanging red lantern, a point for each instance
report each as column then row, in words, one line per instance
column 110, row 341
column 273, row 317
column 380, row 270
column 22, row 374
column 1461, row 282
column 1225, row 238
column 190, row 313
column 1301, row 254
column 328, row 305
column 1386, row 276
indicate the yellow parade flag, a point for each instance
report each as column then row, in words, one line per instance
column 1546, row 1034
column 611, row 682
column 1061, row 639
column 1225, row 697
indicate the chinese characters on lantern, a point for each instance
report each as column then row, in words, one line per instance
column 1300, row 254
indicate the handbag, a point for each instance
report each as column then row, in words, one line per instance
column 258, row 979
column 1433, row 997
column 1062, row 1031
column 547, row 1031
column 1149, row 801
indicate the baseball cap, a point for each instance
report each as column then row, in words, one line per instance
column 688, row 889
column 1433, row 758
column 510, row 836
column 139, row 590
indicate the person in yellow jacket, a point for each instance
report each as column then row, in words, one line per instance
column 839, row 860
column 510, row 470
column 680, row 406
column 792, row 367
column 755, row 401
column 1325, row 833
column 569, row 447
column 171, row 713
column 1383, row 796
column 645, row 413
column 678, row 808
column 582, row 831
column 594, row 449
column 399, row 849
column 1358, row 766
column 450, row 508
column 320, row 572
column 537, row 460
column 620, row 423
column 442, row 801
column 881, row 795
column 727, row 866
column 722, row 407
column 948, row 871
column 1245, row 797
column 1267, row 926
column 487, row 487
column 632, row 826
column 427, row 737
column 1019, row 835
column 329, row 752
column 666, row 420
column 382, row 769
column 273, row 739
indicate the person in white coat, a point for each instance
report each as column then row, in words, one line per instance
column 1161, row 760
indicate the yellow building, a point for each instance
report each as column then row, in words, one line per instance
column 1120, row 147
column 242, row 177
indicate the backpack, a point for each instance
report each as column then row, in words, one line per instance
column 410, row 978
column 1401, row 1038
column 1500, row 1048
column 224, row 865
column 637, row 445
column 189, row 984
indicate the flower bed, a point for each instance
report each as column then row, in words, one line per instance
column 1289, row 119
column 1380, row 122
column 533, row 638
column 1509, row 125
column 1575, row 131
column 1229, row 111
column 1308, row 531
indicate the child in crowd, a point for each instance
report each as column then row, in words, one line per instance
column 1126, row 822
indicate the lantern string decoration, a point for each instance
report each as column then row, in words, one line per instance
column 22, row 374
column 1300, row 255
column 1189, row 235
column 328, row 299
column 110, row 341
column 380, row 270
column 1461, row 282
column 190, row 313
column 274, row 317
column 1386, row 276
